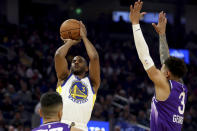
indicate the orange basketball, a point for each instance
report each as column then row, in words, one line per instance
column 70, row 29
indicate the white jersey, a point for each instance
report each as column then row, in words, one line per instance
column 78, row 100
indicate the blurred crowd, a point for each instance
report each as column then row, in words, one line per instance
column 124, row 98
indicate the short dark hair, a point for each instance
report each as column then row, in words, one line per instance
column 176, row 66
column 49, row 103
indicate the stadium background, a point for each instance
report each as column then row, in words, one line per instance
column 29, row 37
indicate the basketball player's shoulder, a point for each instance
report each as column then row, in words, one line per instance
column 62, row 81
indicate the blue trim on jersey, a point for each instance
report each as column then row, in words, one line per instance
column 66, row 79
column 91, row 85
column 77, row 78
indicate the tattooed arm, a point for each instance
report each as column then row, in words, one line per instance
column 161, row 30
column 163, row 45
column 163, row 48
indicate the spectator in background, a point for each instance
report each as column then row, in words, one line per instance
column 35, row 120
column 24, row 93
column 2, row 122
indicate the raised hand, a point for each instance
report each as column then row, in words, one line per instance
column 135, row 14
column 83, row 31
column 161, row 26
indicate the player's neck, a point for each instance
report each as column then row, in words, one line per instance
column 80, row 76
column 175, row 79
column 45, row 121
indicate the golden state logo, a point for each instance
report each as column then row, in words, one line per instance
column 78, row 92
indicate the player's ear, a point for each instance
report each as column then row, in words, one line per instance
column 86, row 69
column 40, row 112
column 168, row 74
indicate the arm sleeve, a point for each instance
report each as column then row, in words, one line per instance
column 142, row 48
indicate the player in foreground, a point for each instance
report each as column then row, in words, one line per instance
column 168, row 103
column 77, row 89
column 51, row 112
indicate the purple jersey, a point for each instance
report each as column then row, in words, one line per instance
column 53, row 126
column 168, row 115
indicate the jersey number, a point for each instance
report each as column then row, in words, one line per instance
column 182, row 107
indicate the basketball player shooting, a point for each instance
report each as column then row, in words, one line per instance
column 168, row 103
column 77, row 89
column 51, row 112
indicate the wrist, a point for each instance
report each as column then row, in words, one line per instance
column 162, row 34
column 84, row 37
column 135, row 27
column 69, row 43
column 135, row 23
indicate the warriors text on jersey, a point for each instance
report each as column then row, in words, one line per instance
column 53, row 126
column 168, row 115
column 78, row 101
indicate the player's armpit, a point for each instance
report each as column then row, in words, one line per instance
column 157, row 77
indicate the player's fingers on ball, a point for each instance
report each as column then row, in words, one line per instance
column 81, row 23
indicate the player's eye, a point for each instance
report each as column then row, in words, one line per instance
column 73, row 61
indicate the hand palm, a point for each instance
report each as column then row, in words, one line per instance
column 135, row 14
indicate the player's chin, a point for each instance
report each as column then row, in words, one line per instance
column 76, row 72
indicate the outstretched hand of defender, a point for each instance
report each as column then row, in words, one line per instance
column 135, row 14
column 73, row 42
column 161, row 26
column 83, row 31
